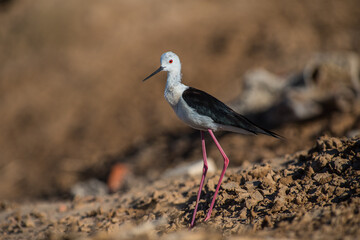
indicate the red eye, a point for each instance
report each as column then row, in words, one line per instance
column 170, row 61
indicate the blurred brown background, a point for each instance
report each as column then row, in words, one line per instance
column 71, row 93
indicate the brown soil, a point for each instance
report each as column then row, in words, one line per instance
column 72, row 105
column 310, row 194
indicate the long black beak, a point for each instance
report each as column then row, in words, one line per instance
column 157, row 71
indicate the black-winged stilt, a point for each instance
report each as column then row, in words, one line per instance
column 203, row 112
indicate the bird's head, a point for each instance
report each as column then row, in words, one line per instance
column 170, row 62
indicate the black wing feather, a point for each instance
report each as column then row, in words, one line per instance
column 208, row 105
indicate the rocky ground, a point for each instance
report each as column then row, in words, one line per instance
column 313, row 193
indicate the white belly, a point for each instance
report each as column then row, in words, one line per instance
column 192, row 118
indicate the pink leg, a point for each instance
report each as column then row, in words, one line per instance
column 205, row 168
column 226, row 163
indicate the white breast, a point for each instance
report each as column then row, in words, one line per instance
column 173, row 94
column 192, row 118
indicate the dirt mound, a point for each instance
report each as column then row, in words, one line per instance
column 310, row 194
column 70, row 77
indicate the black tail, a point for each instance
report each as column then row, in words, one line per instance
column 255, row 129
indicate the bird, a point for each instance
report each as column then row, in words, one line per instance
column 203, row 112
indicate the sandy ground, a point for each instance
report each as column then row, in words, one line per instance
column 72, row 106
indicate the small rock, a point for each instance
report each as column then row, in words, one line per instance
column 29, row 223
column 337, row 142
column 331, row 189
column 300, row 200
column 339, row 191
column 251, row 185
column 268, row 181
column 39, row 215
column 322, row 178
column 276, row 177
column 116, row 177
column 260, row 171
column 243, row 213
column 250, row 203
column 92, row 187
column 309, row 171
column 339, row 165
column 286, row 180
column 338, row 181
column 84, row 228
column 242, row 194
column 211, row 184
column 257, row 196
column 62, row 208
column 287, row 171
column 282, row 190
column 231, row 186
column 279, row 204
column 320, row 162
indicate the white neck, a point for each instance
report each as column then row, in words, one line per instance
column 174, row 88
column 173, row 79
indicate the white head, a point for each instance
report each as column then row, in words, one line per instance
column 170, row 62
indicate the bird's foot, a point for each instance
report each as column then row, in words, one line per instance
column 191, row 226
column 208, row 215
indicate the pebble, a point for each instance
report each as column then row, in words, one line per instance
column 257, row 196
column 251, row 185
column 309, row 171
column 231, row 186
column 39, row 215
column 320, row 162
column 243, row 213
column 242, row 194
column 279, row 204
column 62, row 208
column 299, row 200
column 339, row 191
column 286, row 180
column 339, row 164
column 29, row 223
column 322, row 178
column 91, row 187
column 260, row 171
column 268, row 181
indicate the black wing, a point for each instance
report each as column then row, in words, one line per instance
column 208, row 105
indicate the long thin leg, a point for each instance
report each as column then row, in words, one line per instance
column 226, row 163
column 205, row 168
